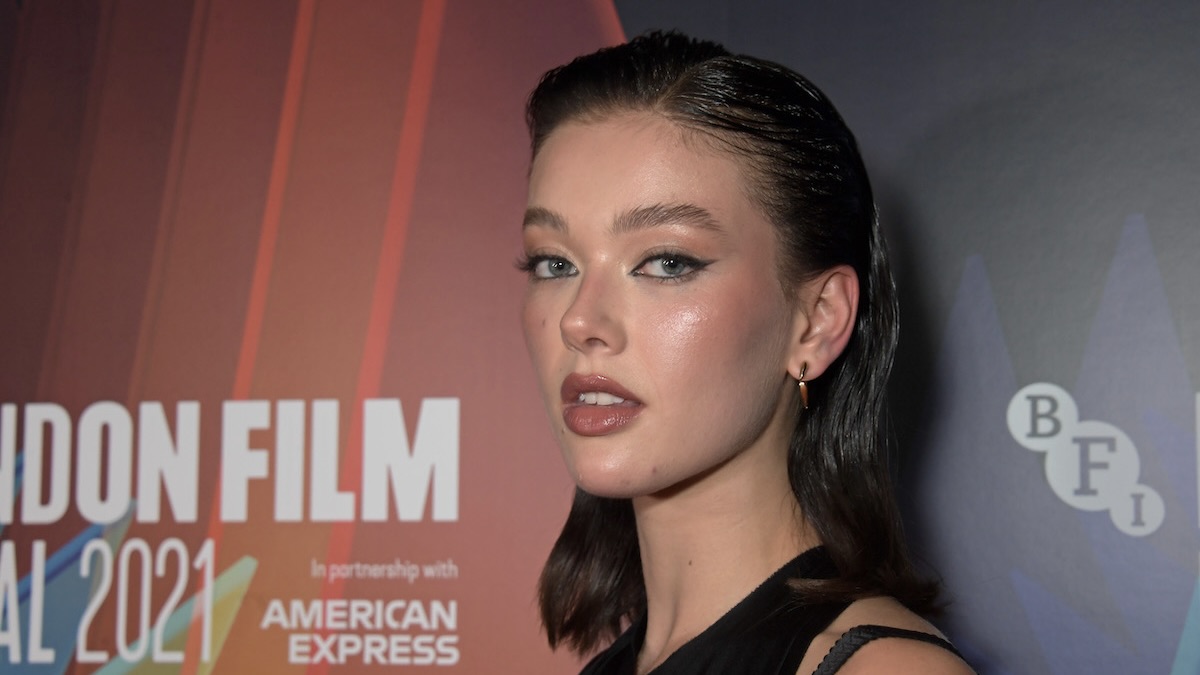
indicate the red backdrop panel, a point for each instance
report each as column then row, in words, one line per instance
column 279, row 200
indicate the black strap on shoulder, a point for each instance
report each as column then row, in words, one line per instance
column 853, row 640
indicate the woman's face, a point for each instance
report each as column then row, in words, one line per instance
column 654, row 314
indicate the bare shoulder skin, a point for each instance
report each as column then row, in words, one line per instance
column 886, row 655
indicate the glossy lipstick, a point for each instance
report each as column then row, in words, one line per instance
column 591, row 408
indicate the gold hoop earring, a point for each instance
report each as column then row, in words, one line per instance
column 803, row 385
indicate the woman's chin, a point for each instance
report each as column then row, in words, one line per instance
column 617, row 482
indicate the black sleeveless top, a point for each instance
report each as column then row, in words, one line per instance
column 767, row 633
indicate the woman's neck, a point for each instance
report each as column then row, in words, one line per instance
column 708, row 544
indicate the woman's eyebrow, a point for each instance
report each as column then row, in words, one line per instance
column 632, row 220
column 666, row 214
column 536, row 215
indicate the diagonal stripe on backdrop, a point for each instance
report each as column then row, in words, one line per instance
column 276, row 187
column 391, row 255
column 170, row 198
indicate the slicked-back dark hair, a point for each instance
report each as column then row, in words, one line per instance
column 804, row 171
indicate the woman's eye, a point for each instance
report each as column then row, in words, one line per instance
column 669, row 266
column 547, row 267
column 551, row 268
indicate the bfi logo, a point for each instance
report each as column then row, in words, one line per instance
column 1090, row 465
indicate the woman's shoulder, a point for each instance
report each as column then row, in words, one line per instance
column 883, row 636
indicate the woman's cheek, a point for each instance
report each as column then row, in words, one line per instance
column 681, row 327
column 535, row 317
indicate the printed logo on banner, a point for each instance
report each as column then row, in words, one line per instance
column 116, row 466
column 1069, row 510
column 1091, row 465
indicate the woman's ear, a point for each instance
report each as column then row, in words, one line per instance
column 826, row 308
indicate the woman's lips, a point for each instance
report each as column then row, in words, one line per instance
column 594, row 405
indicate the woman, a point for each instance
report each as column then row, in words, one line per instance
column 712, row 320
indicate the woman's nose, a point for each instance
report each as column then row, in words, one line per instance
column 593, row 321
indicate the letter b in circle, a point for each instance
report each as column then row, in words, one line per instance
column 1038, row 414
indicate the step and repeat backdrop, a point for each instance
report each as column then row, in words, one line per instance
column 1037, row 167
column 264, row 401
